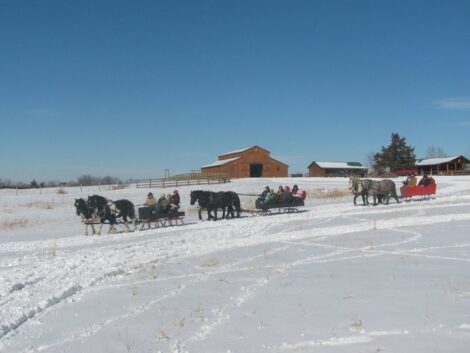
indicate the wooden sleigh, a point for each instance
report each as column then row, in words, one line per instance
column 149, row 220
column 264, row 208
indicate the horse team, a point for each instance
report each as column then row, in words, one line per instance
column 98, row 210
column 381, row 190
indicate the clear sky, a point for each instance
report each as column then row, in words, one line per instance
column 131, row 88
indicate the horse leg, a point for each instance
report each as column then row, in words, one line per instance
column 354, row 200
column 93, row 228
column 112, row 229
column 134, row 221
column 215, row 214
column 86, row 229
column 126, row 224
column 100, row 227
column 200, row 214
column 365, row 199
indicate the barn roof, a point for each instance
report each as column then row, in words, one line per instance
column 339, row 165
column 241, row 151
column 435, row 161
column 221, row 162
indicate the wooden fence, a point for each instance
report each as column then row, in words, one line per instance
column 184, row 179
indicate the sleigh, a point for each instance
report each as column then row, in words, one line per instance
column 407, row 192
column 288, row 206
column 150, row 220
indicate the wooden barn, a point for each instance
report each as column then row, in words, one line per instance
column 250, row 162
column 444, row 166
column 336, row 169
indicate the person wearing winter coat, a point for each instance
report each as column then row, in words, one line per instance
column 424, row 181
column 162, row 205
column 411, row 180
column 151, row 201
column 175, row 200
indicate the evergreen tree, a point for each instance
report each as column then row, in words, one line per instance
column 396, row 156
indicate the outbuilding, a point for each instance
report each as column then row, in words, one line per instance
column 336, row 169
column 249, row 162
column 444, row 166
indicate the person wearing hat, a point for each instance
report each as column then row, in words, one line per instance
column 151, row 201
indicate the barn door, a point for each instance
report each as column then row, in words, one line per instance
column 256, row 170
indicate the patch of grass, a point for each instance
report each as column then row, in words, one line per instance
column 52, row 250
column 40, row 204
column 209, row 263
column 61, row 191
column 15, row 223
column 356, row 323
column 327, row 194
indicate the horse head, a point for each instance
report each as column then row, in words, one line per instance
column 98, row 204
column 80, row 206
column 194, row 196
column 352, row 180
column 355, row 184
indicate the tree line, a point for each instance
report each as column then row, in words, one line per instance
column 83, row 180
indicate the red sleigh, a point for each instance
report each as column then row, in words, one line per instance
column 408, row 192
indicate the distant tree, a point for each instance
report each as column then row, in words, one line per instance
column 395, row 156
column 87, row 180
column 108, row 180
column 52, row 183
column 5, row 183
column 435, row 152
column 34, row 184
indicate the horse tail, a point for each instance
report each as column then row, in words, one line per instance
column 236, row 202
column 393, row 191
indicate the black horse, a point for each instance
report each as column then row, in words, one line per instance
column 86, row 213
column 111, row 210
column 227, row 201
column 231, row 201
column 209, row 200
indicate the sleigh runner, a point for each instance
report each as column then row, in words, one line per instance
column 263, row 208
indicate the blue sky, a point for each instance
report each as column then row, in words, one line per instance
column 131, row 88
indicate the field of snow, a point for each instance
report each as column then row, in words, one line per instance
column 335, row 278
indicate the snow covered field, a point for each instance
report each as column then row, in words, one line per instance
column 336, row 278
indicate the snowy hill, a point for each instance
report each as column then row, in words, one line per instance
column 336, row 278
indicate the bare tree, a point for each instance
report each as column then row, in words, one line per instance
column 370, row 161
column 435, row 152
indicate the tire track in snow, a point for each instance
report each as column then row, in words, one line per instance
column 65, row 285
column 94, row 328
